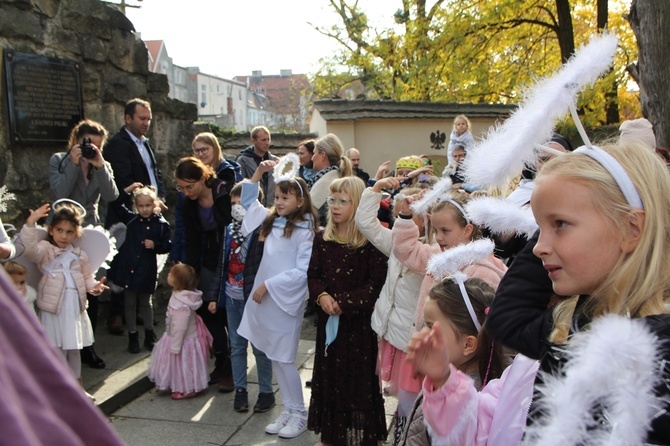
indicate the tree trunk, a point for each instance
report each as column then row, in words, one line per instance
column 612, row 104
column 649, row 20
column 566, row 37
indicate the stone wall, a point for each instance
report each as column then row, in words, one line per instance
column 114, row 69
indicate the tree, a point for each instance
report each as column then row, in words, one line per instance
column 648, row 18
column 472, row 50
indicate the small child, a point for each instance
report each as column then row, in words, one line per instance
column 460, row 136
column 67, row 276
column 231, row 291
column 134, row 268
column 18, row 274
column 179, row 360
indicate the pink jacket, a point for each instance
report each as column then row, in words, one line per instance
column 456, row 414
column 51, row 286
column 415, row 254
column 180, row 322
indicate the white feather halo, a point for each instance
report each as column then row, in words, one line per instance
column 615, row 367
column 501, row 216
column 432, row 196
column 448, row 263
column 511, row 146
column 287, row 168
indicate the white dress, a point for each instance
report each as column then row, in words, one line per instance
column 273, row 326
column 71, row 328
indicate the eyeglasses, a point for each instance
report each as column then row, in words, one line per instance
column 201, row 151
column 188, row 188
column 332, row 201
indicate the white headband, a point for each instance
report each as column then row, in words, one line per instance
column 458, row 206
column 67, row 200
column 460, row 279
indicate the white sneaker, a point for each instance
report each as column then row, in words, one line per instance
column 278, row 424
column 295, row 426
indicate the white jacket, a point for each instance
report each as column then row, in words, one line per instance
column 393, row 317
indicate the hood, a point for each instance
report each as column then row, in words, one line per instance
column 249, row 152
column 193, row 299
column 230, row 166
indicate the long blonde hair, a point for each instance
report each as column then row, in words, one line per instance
column 353, row 186
column 212, row 141
column 639, row 282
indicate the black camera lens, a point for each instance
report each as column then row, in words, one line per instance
column 87, row 150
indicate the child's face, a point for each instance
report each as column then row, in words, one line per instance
column 455, row 347
column 341, row 207
column 20, row 282
column 460, row 125
column 448, row 232
column 235, row 199
column 145, row 206
column 402, row 171
column 286, row 203
column 578, row 248
column 63, row 233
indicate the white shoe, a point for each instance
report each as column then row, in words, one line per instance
column 278, row 424
column 295, row 426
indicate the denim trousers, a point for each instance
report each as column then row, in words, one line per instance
column 238, row 351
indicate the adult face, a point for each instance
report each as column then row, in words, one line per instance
column 355, row 157
column 191, row 189
column 138, row 124
column 261, row 143
column 304, row 156
column 203, row 152
column 320, row 159
column 459, row 156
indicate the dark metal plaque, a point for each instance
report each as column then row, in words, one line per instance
column 44, row 97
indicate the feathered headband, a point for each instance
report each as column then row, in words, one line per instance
column 287, row 170
column 450, row 263
column 501, row 216
column 511, row 146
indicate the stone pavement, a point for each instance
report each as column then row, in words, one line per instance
column 143, row 417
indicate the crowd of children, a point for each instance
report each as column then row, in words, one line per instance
column 411, row 302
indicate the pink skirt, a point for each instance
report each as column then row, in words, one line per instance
column 394, row 369
column 186, row 371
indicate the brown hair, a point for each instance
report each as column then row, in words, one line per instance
column 70, row 213
column 297, row 187
column 191, row 169
column 462, row 200
column 185, row 277
column 209, row 139
column 87, row 127
column 14, row 268
column 132, row 104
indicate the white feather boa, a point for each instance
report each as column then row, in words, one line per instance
column 450, row 262
column 440, row 189
column 613, row 367
column 511, row 146
column 501, row 216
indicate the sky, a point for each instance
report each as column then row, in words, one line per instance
column 227, row 38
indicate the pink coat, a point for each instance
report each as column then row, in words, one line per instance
column 415, row 255
column 456, row 414
column 180, row 322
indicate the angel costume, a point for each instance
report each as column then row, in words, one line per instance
column 273, row 326
column 62, row 290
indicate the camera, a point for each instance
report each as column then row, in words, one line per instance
column 87, row 150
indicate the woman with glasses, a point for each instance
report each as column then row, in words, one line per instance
column 345, row 276
column 330, row 164
column 205, row 213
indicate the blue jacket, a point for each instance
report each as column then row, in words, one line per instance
column 134, row 266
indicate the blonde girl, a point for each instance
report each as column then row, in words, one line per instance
column 460, row 136
column 346, row 274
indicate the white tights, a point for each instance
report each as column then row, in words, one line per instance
column 73, row 359
column 405, row 402
column 290, row 386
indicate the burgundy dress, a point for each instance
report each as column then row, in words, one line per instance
column 347, row 407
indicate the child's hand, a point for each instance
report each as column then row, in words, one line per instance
column 132, row 187
column 424, row 169
column 99, row 288
column 382, row 170
column 429, row 355
column 387, row 183
column 264, row 166
column 329, row 305
column 148, row 244
column 407, row 201
column 38, row 213
column 211, row 307
column 259, row 293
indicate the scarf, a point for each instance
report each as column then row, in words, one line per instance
column 319, row 174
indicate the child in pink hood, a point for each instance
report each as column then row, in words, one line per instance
column 179, row 359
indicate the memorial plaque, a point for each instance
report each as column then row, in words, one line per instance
column 44, row 98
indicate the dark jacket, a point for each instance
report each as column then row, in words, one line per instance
column 203, row 247
column 249, row 162
column 128, row 166
column 228, row 171
column 134, row 266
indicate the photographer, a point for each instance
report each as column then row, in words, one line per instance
column 81, row 174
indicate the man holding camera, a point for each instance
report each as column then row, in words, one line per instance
column 81, row 174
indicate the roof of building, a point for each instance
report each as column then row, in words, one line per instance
column 154, row 48
column 344, row 110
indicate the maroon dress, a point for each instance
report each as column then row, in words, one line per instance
column 347, row 407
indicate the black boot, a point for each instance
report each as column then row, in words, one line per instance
column 133, row 342
column 219, row 369
column 88, row 356
column 149, row 339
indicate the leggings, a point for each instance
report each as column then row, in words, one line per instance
column 73, row 359
column 132, row 299
column 290, row 386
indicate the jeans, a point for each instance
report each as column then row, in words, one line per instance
column 238, row 351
